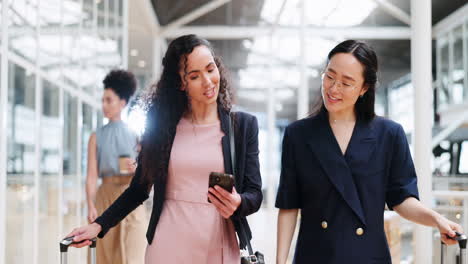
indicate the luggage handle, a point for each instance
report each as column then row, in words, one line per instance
column 461, row 239
column 66, row 242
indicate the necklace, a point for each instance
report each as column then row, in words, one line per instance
column 335, row 121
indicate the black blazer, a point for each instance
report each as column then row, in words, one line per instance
column 342, row 197
column 247, row 181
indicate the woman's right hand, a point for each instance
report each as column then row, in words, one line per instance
column 85, row 234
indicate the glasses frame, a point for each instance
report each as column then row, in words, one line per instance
column 342, row 87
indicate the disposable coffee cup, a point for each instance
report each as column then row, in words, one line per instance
column 123, row 164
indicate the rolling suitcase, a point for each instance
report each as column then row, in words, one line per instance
column 461, row 259
column 66, row 242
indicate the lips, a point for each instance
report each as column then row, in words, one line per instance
column 209, row 93
column 332, row 99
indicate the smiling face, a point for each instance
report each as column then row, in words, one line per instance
column 342, row 83
column 200, row 76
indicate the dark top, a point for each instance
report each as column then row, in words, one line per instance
column 342, row 197
column 247, row 181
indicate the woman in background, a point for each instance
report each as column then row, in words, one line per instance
column 111, row 156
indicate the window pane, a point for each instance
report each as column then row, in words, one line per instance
column 1, row 6
column 88, row 41
column 72, row 51
column 87, row 129
column 22, row 17
column 21, row 158
column 49, row 174
column 458, row 75
column 443, row 89
column 71, row 185
column 50, row 37
column 464, row 158
column 465, row 54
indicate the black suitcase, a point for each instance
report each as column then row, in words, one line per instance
column 461, row 259
column 66, row 242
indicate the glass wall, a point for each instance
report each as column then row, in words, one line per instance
column 49, row 173
column 71, row 180
column 452, row 66
column 58, row 53
column 463, row 166
column 443, row 95
column 458, row 73
column 21, row 161
column 86, row 130
column 23, row 21
column 1, row 8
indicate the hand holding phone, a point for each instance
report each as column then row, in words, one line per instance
column 222, row 194
column 224, row 180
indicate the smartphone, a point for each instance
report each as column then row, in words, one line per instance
column 223, row 180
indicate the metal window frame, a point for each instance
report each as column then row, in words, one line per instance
column 3, row 127
column 9, row 56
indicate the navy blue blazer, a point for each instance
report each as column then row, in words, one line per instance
column 342, row 197
column 248, row 181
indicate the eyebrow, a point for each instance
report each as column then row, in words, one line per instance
column 208, row 65
column 344, row 76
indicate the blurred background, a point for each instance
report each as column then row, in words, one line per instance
column 55, row 53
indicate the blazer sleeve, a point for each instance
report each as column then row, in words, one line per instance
column 402, row 182
column 251, row 196
column 288, row 196
column 128, row 201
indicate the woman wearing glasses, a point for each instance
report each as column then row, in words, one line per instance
column 341, row 165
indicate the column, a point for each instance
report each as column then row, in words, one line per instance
column 421, row 75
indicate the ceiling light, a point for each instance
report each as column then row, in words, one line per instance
column 141, row 63
column 247, row 43
column 134, row 52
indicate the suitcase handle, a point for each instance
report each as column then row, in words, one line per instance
column 461, row 238
column 66, row 242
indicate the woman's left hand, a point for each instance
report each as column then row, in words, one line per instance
column 226, row 203
column 447, row 229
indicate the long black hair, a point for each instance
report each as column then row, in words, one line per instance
column 364, row 106
column 166, row 105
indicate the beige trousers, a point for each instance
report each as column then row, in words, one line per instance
column 125, row 243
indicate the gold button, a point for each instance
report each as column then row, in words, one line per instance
column 359, row 231
column 324, row 224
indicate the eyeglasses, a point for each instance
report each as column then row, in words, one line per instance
column 328, row 81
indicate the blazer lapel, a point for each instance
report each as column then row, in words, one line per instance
column 327, row 151
column 362, row 145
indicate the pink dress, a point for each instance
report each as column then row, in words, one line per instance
column 190, row 230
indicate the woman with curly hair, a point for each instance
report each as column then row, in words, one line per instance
column 114, row 141
column 186, row 138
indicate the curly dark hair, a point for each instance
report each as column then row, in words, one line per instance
column 122, row 82
column 166, row 103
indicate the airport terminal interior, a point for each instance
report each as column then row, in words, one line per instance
column 54, row 55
